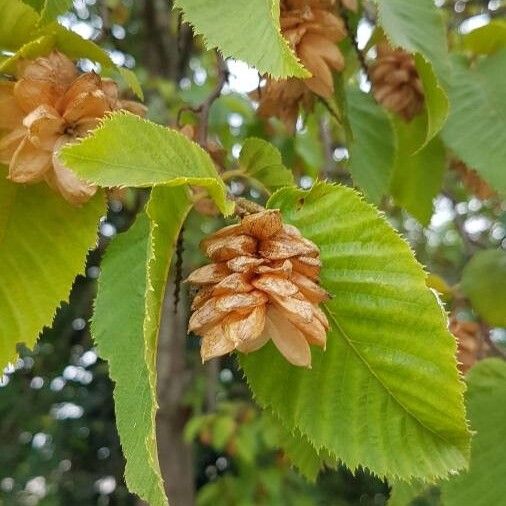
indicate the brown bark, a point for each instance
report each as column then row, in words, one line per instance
column 167, row 44
column 176, row 459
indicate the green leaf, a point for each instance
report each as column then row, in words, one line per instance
column 296, row 447
column 484, row 282
column 339, row 106
column 35, row 4
column 373, row 148
column 404, row 493
column 194, row 426
column 262, row 162
column 52, row 9
column 246, row 442
column 74, row 46
column 37, row 47
column 418, row 177
column 130, row 78
column 54, row 36
column 153, row 155
column 17, row 23
column 386, row 393
column 309, row 147
column 117, row 329
column 486, row 39
column 437, row 105
column 167, row 209
column 43, row 246
column 301, row 453
column 486, row 400
column 223, row 428
column 418, row 28
column 476, row 128
column 153, row 245
column 246, row 30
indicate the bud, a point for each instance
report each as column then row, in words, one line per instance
column 262, row 284
column 49, row 106
column 396, row 83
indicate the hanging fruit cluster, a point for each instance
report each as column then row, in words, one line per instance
column 472, row 181
column 470, row 345
column 262, row 285
column 48, row 106
column 396, row 83
column 312, row 30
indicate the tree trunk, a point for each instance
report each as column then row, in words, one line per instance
column 176, row 459
column 167, row 52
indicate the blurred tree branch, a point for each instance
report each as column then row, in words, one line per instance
column 167, row 44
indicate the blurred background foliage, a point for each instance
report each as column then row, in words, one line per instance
column 57, row 431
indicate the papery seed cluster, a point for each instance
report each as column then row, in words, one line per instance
column 262, row 285
column 396, row 83
column 470, row 344
column 312, row 28
column 472, row 180
column 48, row 106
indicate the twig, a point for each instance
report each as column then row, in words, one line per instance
column 203, row 109
column 259, row 88
column 470, row 245
column 179, row 28
column 485, row 335
column 159, row 37
column 184, row 45
column 326, row 138
column 178, row 275
column 106, row 24
column 229, row 174
column 360, row 54
column 244, row 206
column 331, row 110
column 205, row 106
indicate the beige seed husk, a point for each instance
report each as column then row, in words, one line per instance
column 262, row 286
column 396, row 83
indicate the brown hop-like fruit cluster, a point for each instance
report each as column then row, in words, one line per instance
column 50, row 105
column 396, row 83
column 470, row 345
column 312, row 31
column 472, row 181
column 262, row 284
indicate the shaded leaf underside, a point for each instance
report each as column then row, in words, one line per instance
column 117, row 330
column 476, row 128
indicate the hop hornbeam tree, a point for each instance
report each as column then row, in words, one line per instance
column 306, row 194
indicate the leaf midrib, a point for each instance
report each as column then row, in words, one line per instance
column 209, row 179
column 349, row 341
column 118, row 165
